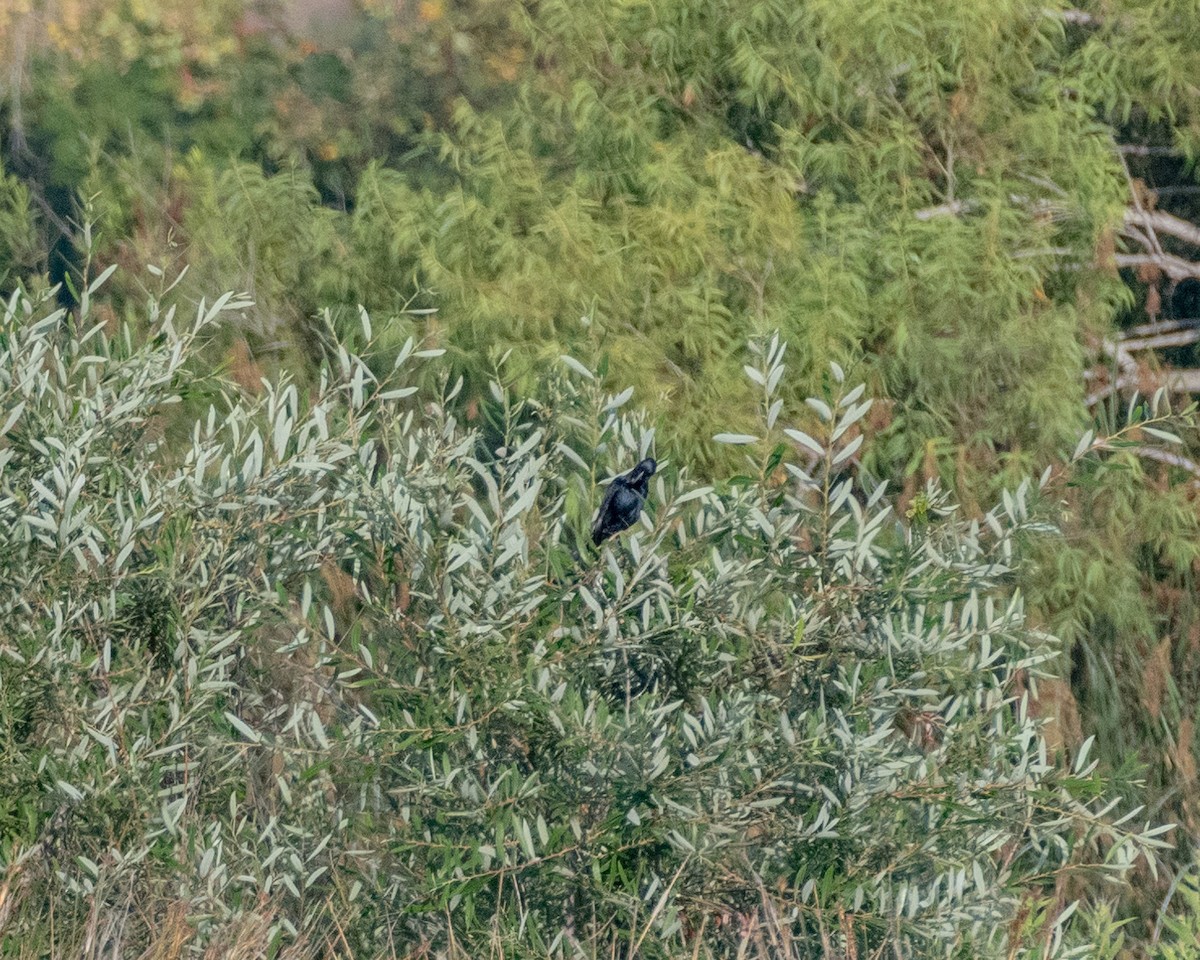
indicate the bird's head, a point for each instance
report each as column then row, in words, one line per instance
column 643, row 471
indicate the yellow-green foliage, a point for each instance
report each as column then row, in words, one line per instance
column 20, row 255
column 926, row 192
column 334, row 673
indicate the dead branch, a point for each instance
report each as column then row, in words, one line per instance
column 1098, row 396
column 1177, row 381
column 1120, row 353
column 1133, row 233
column 1138, row 209
column 1174, row 267
column 952, row 209
column 1078, row 17
column 1159, row 326
column 1171, row 460
column 1177, row 338
column 1039, row 207
column 1045, row 252
column 1137, row 150
column 1182, row 381
column 1161, row 222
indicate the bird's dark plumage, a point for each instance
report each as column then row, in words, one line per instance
column 623, row 501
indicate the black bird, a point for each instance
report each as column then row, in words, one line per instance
column 623, row 501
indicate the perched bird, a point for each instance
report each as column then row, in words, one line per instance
column 623, row 501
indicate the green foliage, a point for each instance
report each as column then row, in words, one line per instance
column 683, row 176
column 1140, row 58
column 103, row 109
column 925, row 192
column 20, row 253
column 337, row 674
column 672, row 178
column 1179, row 931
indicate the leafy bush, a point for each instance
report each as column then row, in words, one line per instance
column 19, row 253
column 336, row 675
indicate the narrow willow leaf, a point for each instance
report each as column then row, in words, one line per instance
column 848, row 451
column 850, row 418
column 571, row 455
column 578, row 367
column 805, row 440
column 735, row 438
column 693, row 495
column 318, row 729
column 849, row 399
column 242, row 727
column 774, row 378
column 102, row 278
column 69, row 790
column 1157, row 400
column 821, row 407
column 13, row 416
column 1163, row 435
column 620, row 399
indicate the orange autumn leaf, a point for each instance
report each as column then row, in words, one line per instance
column 430, row 11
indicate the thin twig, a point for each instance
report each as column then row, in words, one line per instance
column 1179, row 381
column 952, row 209
column 1171, row 460
column 1177, row 338
column 1137, row 203
column 1077, row 17
column 1137, row 150
column 1162, row 911
column 658, row 907
column 1045, row 252
column 1159, row 220
column 1120, row 354
column 1174, row 267
column 1160, row 326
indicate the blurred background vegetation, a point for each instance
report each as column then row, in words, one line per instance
column 980, row 209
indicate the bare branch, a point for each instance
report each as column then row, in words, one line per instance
column 1127, row 366
column 1161, row 326
column 1182, row 381
column 1045, row 252
column 1178, row 381
column 1171, row 460
column 1078, row 17
column 1136, row 150
column 1157, row 220
column 1177, row 338
column 1140, row 211
column 1174, row 267
column 1176, row 190
column 1125, row 363
column 1134, row 233
column 1040, row 207
column 952, row 209
column 1107, row 391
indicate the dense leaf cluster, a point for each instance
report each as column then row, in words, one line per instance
column 337, row 673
